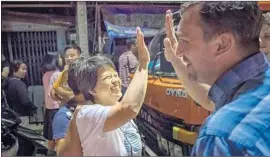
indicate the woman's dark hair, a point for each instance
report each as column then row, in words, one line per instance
column 72, row 78
column 15, row 66
column 50, row 62
column 86, row 75
column 72, row 75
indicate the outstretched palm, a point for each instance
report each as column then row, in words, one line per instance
column 143, row 53
column 170, row 42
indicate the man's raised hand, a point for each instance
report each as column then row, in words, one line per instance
column 170, row 42
column 143, row 53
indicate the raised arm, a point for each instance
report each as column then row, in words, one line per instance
column 132, row 101
column 196, row 90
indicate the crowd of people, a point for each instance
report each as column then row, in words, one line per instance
column 216, row 54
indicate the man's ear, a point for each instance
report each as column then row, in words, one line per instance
column 224, row 43
column 92, row 92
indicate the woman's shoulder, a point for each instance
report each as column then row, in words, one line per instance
column 95, row 110
column 14, row 83
column 90, row 107
column 47, row 75
column 14, row 80
column 10, row 81
column 55, row 75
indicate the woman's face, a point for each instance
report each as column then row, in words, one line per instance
column 108, row 87
column 21, row 73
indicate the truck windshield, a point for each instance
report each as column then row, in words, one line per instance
column 158, row 64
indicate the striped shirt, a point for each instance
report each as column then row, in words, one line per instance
column 127, row 62
column 132, row 140
column 241, row 123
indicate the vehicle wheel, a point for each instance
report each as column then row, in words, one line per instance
column 11, row 149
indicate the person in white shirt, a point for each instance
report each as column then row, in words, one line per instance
column 103, row 126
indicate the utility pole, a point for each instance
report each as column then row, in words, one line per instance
column 99, row 29
column 82, row 27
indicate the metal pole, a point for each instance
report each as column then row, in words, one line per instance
column 81, row 27
column 99, row 29
column 36, row 6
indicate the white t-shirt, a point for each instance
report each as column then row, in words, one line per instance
column 90, row 122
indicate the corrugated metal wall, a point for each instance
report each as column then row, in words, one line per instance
column 30, row 47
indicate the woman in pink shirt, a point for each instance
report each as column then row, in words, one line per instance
column 50, row 69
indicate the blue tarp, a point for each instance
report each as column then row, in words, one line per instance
column 121, row 21
column 115, row 31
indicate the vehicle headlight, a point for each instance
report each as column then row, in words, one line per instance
column 163, row 144
column 175, row 150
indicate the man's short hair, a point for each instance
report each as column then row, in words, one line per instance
column 242, row 18
column 130, row 42
column 75, row 47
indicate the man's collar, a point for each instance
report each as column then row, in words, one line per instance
column 240, row 73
